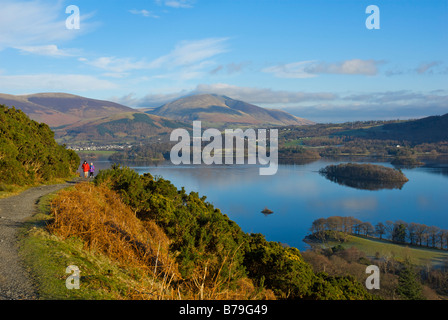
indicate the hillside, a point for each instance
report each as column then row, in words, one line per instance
column 216, row 110
column 59, row 109
column 426, row 130
column 128, row 127
column 28, row 152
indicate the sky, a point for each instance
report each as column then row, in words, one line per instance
column 320, row 60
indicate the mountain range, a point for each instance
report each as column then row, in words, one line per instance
column 216, row 110
column 76, row 119
column 59, row 109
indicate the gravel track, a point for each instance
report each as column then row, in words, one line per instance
column 15, row 280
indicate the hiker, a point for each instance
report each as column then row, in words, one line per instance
column 85, row 169
column 92, row 170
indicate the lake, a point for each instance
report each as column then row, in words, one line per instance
column 298, row 195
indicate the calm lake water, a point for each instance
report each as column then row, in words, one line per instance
column 298, row 194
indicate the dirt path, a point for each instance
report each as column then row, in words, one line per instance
column 15, row 282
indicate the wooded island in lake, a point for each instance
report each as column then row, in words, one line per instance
column 365, row 176
column 371, row 172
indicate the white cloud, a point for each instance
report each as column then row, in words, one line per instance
column 31, row 23
column 52, row 82
column 400, row 97
column 176, row 3
column 116, row 65
column 188, row 60
column 354, row 66
column 144, row 13
column 290, row 70
column 402, row 104
column 46, row 50
column 311, row 68
column 190, row 52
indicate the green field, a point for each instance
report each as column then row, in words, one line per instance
column 420, row 256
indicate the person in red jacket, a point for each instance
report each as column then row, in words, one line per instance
column 85, row 169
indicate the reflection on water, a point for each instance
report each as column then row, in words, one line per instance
column 298, row 195
column 367, row 184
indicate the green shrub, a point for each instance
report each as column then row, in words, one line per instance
column 213, row 250
column 281, row 269
column 201, row 235
column 28, row 152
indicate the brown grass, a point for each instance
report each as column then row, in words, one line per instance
column 96, row 215
column 105, row 224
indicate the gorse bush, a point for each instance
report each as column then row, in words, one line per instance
column 206, row 242
column 279, row 268
column 213, row 253
column 28, row 152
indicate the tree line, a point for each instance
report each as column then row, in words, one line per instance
column 338, row 228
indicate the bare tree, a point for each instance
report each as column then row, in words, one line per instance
column 380, row 229
column 318, row 228
column 366, row 228
column 441, row 235
column 432, row 233
column 412, row 227
column 390, row 228
column 334, row 223
column 420, row 231
column 347, row 224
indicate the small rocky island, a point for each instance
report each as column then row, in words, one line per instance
column 267, row 211
column 365, row 176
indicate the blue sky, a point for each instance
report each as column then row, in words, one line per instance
column 315, row 59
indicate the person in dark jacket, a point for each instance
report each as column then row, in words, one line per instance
column 92, row 170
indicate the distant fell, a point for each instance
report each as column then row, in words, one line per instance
column 219, row 110
column 59, row 109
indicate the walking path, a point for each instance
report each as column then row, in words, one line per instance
column 15, row 280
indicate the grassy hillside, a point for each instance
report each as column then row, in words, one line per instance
column 28, row 152
column 419, row 256
column 136, row 237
